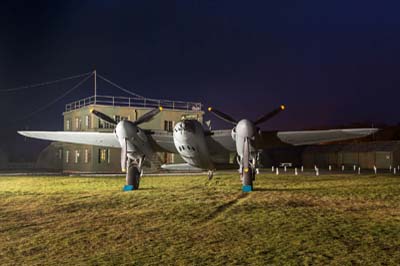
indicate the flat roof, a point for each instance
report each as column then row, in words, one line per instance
column 121, row 101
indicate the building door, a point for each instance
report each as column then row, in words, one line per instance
column 383, row 159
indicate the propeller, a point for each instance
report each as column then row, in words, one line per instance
column 269, row 115
column 103, row 116
column 223, row 116
column 123, row 129
column 148, row 116
column 144, row 118
column 231, row 120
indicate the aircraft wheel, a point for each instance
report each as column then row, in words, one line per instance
column 133, row 177
column 248, row 178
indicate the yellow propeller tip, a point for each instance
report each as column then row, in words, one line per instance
column 91, row 110
column 283, row 107
column 246, row 170
column 209, row 109
column 160, row 108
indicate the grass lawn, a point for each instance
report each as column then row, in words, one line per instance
column 187, row 220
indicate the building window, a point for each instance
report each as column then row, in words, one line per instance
column 78, row 123
column 86, row 155
column 119, row 118
column 76, row 156
column 68, row 124
column 67, row 156
column 168, row 126
column 104, row 156
column 87, row 121
column 104, row 124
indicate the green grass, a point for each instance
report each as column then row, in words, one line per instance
column 186, row 220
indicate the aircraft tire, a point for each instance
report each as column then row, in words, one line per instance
column 133, row 177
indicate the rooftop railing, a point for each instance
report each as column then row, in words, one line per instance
column 133, row 102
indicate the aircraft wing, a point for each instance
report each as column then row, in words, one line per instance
column 220, row 141
column 309, row 137
column 162, row 141
column 180, row 167
column 89, row 138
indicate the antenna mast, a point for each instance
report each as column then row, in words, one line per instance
column 95, row 85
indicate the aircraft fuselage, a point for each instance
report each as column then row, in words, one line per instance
column 190, row 142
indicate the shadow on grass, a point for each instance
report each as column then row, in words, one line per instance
column 285, row 189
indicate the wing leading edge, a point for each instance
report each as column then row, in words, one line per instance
column 298, row 138
column 89, row 138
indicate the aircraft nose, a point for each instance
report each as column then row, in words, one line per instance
column 125, row 129
column 245, row 128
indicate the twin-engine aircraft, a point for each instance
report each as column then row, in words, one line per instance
column 200, row 147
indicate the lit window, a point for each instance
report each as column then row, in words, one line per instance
column 104, row 156
column 67, row 156
column 87, row 121
column 76, row 156
column 168, row 126
column 78, row 123
column 86, row 155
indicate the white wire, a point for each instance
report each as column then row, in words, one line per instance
column 44, row 83
column 56, row 99
column 119, row 87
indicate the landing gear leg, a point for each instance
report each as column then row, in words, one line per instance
column 247, row 179
column 210, row 174
column 246, row 168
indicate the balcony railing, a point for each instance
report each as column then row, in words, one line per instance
column 133, row 102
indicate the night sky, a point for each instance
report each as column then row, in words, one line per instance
column 331, row 62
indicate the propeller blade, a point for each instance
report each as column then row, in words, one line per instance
column 103, row 117
column 223, row 116
column 269, row 115
column 148, row 116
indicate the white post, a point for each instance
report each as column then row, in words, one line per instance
column 354, row 168
column 302, row 169
column 284, row 168
column 277, row 171
column 359, row 170
column 375, row 170
column 295, row 171
column 394, row 171
column 316, row 171
column 330, row 167
column 272, row 169
column 342, row 167
column 390, row 168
